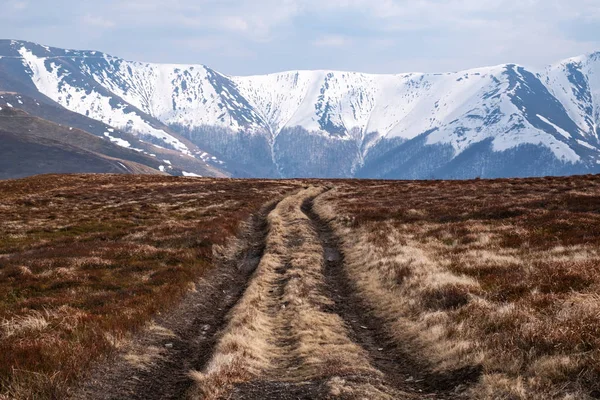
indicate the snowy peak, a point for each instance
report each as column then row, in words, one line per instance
column 504, row 107
column 175, row 94
column 576, row 84
column 320, row 101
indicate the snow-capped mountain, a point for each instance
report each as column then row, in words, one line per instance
column 498, row 121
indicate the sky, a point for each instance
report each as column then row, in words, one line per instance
column 246, row 37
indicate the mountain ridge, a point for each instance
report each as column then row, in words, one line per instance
column 100, row 54
column 329, row 123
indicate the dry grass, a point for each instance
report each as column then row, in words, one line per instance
column 499, row 274
column 86, row 260
column 504, row 274
column 280, row 331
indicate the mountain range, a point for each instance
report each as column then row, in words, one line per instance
column 501, row 121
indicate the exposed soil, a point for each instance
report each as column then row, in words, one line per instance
column 195, row 323
column 268, row 390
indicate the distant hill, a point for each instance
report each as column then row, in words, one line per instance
column 31, row 145
column 81, row 131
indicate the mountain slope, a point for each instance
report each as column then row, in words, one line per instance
column 32, row 146
column 142, row 151
column 497, row 121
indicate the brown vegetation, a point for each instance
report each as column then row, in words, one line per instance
column 86, row 260
column 489, row 289
column 500, row 275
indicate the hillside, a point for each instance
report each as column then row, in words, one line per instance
column 31, row 146
column 113, row 143
column 501, row 121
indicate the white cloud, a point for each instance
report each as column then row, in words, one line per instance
column 19, row 5
column 256, row 20
column 96, row 21
column 234, row 23
column 459, row 14
column 332, row 41
column 216, row 45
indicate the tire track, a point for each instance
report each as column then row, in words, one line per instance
column 362, row 327
column 284, row 339
column 156, row 365
column 400, row 369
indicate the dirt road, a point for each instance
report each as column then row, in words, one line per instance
column 279, row 319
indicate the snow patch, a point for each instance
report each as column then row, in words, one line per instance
column 118, row 141
column 558, row 128
column 585, row 144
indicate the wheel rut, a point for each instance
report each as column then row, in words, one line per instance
column 400, row 370
column 344, row 361
column 157, row 363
